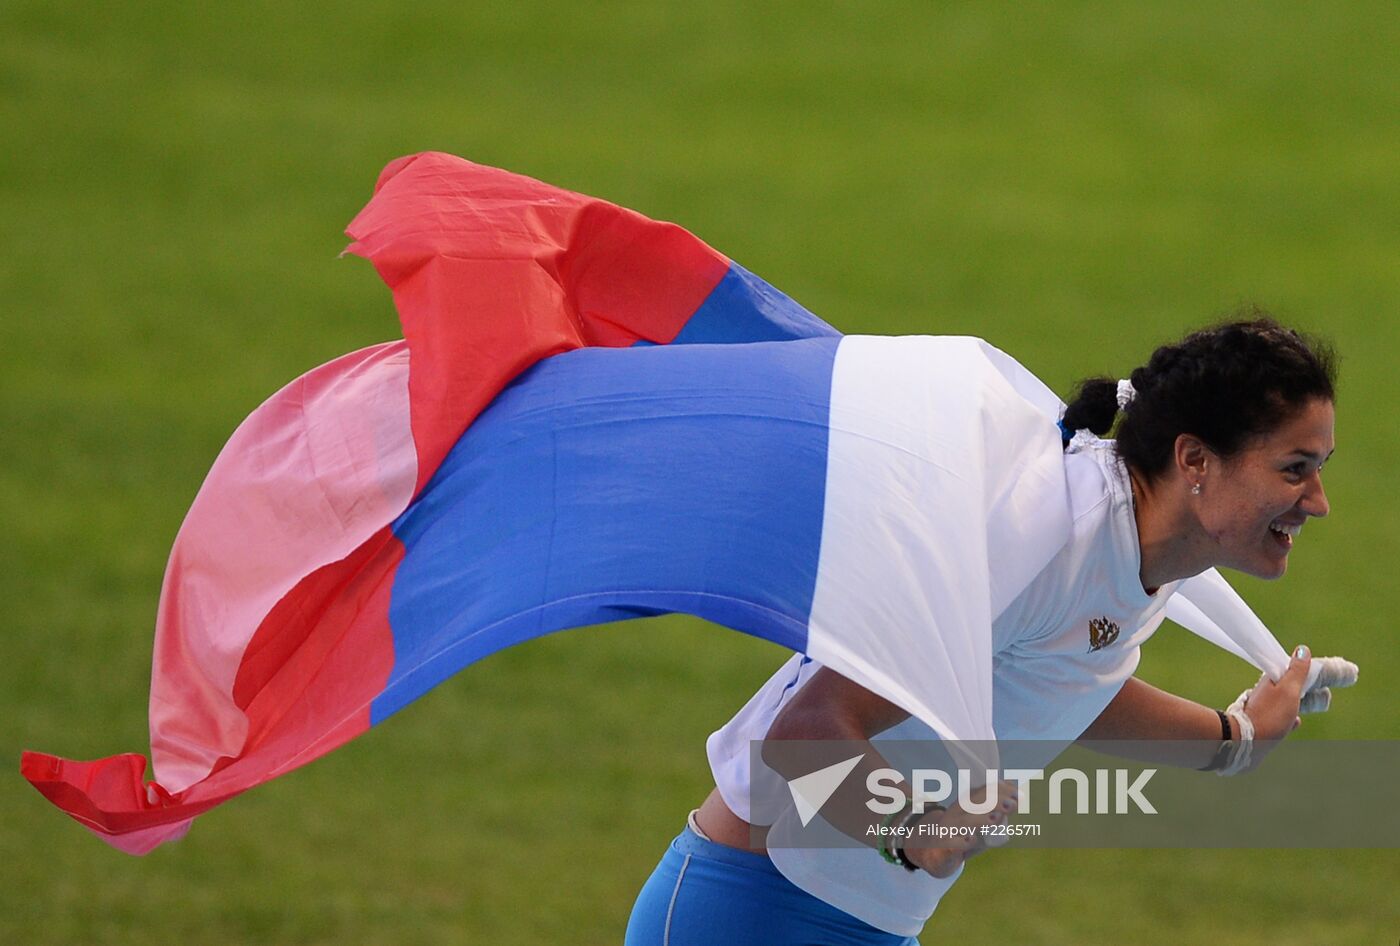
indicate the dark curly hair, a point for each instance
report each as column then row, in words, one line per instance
column 1227, row 385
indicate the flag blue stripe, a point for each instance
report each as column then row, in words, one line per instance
column 744, row 308
column 614, row 483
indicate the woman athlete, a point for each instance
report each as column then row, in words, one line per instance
column 1217, row 462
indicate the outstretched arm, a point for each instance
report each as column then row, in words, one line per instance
column 1143, row 713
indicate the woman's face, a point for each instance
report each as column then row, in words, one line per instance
column 1253, row 506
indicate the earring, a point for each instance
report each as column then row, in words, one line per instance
column 1196, row 490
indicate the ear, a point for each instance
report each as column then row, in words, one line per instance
column 1193, row 459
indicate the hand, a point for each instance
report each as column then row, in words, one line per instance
column 1328, row 672
column 1273, row 707
column 942, row 856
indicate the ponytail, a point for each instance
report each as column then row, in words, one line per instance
column 1094, row 407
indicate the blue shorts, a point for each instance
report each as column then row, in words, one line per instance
column 707, row 894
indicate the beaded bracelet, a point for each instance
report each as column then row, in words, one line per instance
column 905, row 822
column 888, row 849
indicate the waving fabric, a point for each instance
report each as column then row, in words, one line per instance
column 592, row 416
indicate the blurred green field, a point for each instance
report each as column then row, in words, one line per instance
column 1074, row 181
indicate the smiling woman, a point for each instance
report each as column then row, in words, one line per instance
column 1221, row 439
column 1258, row 499
column 1224, row 435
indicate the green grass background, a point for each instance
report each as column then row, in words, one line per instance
column 1074, row 181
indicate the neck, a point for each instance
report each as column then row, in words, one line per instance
column 1162, row 537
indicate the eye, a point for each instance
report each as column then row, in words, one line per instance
column 1295, row 471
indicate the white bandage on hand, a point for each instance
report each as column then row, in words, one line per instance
column 1244, row 738
column 1315, row 700
column 1331, row 672
column 1325, row 673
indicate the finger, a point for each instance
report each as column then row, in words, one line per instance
column 959, row 817
column 1297, row 672
column 1316, row 700
column 1333, row 672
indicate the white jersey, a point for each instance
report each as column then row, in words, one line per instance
column 1061, row 651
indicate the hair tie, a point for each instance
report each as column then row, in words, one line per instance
column 1126, row 393
column 1066, row 435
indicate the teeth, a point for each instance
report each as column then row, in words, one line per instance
column 1286, row 530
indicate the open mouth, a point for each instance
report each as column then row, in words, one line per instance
column 1284, row 534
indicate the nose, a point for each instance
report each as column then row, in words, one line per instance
column 1314, row 501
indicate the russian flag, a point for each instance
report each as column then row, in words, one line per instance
column 592, row 416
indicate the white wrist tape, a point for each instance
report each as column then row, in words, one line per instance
column 1244, row 740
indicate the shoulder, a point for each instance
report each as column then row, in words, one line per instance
column 1097, row 481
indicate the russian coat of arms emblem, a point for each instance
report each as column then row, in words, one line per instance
column 1102, row 632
